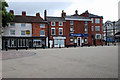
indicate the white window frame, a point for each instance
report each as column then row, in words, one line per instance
column 62, row 31
column 86, row 23
column 61, row 23
column 10, row 32
column 51, row 31
column 24, row 24
column 96, row 36
column 24, row 31
column 52, row 22
column 40, row 32
column 97, row 20
column 72, row 29
column 12, row 23
column 96, row 28
column 41, row 26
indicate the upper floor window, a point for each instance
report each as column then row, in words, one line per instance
column 98, row 36
column 52, row 23
column 97, row 20
column 92, row 20
column 23, row 25
column 42, row 33
column 71, row 29
column 12, row 32
column 97, row 28
column 71, row 22
column 60, row 23
column 60, row 31
column 85, row 22
column 86, row 30
column 42, row 25
column 23, row 32
column 12, row 24
column 92, row 28
column 52, row 31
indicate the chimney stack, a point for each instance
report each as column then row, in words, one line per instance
column 76, row 12
column 38, row 14
column 45, row 15
column 63, row 14
column 12, row 12
column 23, row 13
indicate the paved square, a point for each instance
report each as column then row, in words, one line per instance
column 80, row 62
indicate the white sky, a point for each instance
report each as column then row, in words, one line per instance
column 106, row 8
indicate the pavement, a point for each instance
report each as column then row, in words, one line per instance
column 80, row 62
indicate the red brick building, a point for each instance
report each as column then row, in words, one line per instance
column 96, row 28
column 76, row 30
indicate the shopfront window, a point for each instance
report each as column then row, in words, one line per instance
column 37, row 43
column 86, row 40
column 71, row 40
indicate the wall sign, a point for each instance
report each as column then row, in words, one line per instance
column 27, row 31
column 79, row 35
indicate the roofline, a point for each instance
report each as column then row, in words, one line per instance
column 78, row 19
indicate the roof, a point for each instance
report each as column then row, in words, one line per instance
column 76, row 17
column 94, row 16
column 27, row 19
column 55, row 18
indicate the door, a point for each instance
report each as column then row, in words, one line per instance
column 79, row 41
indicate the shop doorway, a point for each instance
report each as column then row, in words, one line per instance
column 79, row 42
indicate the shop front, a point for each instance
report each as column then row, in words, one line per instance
column 80, row 39
column 22, row 42
column 59, row 41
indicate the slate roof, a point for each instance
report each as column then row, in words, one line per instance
column 55, row 18
column 76, row 17
column 94, row 16
column 27, row 19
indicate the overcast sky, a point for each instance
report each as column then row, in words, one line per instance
column 106, row 8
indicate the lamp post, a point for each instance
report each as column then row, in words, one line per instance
column 106, row 34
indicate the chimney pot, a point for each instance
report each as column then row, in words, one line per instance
column 38, row 14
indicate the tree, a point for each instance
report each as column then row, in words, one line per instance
column 5, row 16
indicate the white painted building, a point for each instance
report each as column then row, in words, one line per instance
column 18, row 29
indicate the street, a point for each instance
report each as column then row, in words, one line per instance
column 79, row 62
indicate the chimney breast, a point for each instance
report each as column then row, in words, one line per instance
column 23, row 13
column 38, row 14
column 63, row 14
column 45, row 15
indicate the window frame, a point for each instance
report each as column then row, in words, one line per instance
column 62, row 31
column 72, row 22
column 92, row 20
column 12, row 25
column 24, row 31
column 42, row 26
column 72, row 29
column 96, row 28
column 54, row 31
column 92, row 28
column 60, row 22
column 40, row 32
column 12, row 30
column 97, row 20
column 53, row 22
column 99, row 35
column 22, row 24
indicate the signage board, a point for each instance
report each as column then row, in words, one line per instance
column 79, row 35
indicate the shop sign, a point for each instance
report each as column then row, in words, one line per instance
column 79, row 35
